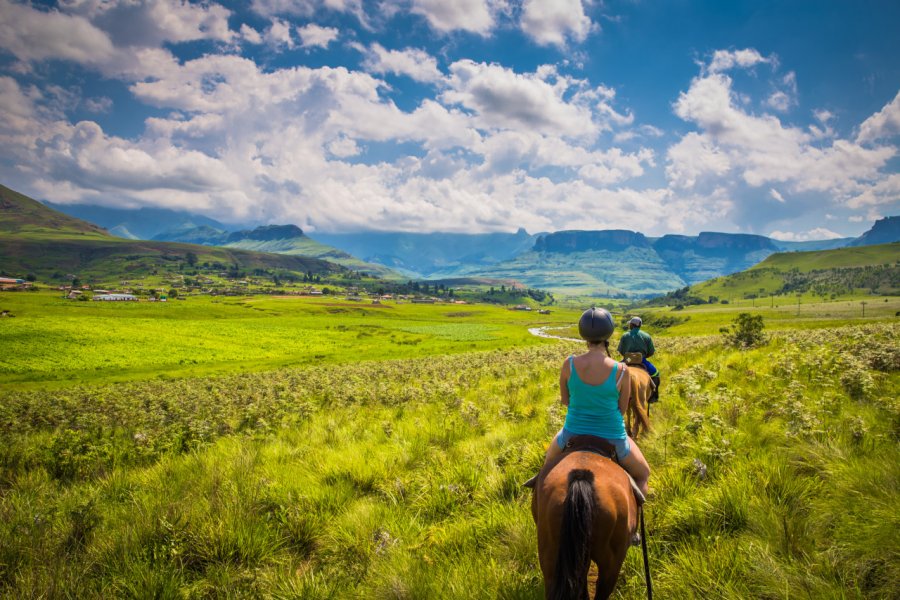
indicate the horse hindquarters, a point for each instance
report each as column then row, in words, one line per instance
column 574, row 551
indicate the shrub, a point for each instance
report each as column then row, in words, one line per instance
column 746, row 331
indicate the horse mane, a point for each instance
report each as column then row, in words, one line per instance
column 574, row 557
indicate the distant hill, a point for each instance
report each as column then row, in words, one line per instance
column 278, row 239
column 884, row 231
column 22, row 216
column 843, row 270
column 426, row 255
column 34, row 238
column 137, row 223
column 581, row 262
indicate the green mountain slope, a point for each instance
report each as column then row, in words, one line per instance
column 839, row 271
column 36, row 239
column 276, row 239
column 23, row 217
column 633, row 271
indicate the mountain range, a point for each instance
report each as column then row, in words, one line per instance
column 606, row 262
column 36, row 239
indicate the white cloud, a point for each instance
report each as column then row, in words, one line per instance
column 101, row 104
column 693, row 158
column 883, row 124
column 503, row 99
column 884, row 192
column 467, row 15
column 761, row 150
column 776, row 195
column 343, row 147
column 278, row 35
column 33, row 35
column 250, row 35
column 724, row 60
column 550, row 22
column 819, row 233
column 780, row 101
column 412, row 62
column 312, row 35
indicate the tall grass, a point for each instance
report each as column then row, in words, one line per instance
column 775, row 475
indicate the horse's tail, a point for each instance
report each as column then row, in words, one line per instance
column 574, row 558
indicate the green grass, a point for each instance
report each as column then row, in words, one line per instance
column 391, row 468
column 56, row 341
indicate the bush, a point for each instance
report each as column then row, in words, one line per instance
column 746, row 331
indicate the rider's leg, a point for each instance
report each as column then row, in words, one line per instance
column 636, row 465
column 654, row 377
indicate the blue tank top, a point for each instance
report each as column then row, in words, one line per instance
column 594, row 409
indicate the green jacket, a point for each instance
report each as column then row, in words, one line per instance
column 637, row 341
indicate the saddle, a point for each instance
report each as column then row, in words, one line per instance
column 635, row 359
column 591, row 443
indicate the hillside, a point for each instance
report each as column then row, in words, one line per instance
column 21, row 216
column 824, row 272
column 275, row 239
column 37, row 239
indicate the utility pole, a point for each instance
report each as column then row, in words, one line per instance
column 864, row 308
column 798, row 304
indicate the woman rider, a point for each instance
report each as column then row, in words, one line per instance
column 596, row 390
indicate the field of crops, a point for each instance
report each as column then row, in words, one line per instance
column 392, row 470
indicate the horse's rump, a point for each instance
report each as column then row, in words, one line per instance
column 584, row 511
column 637, row 420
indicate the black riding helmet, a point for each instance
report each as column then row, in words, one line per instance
column 596, row 325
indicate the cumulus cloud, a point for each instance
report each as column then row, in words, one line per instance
column 101, row 104
column 504, row 99
column 819, row 233
column 725, row 60
column 467, row 15
column 312, row 35
column 33, row 35
column 250, row 35
column 762, row 150
column 883, row 124
column 776, row 195
column 412, row 62
column 551, row 22
column 278, row 35
column 884, row 192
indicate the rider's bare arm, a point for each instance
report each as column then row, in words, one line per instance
column 564, row 384
column 624, row 386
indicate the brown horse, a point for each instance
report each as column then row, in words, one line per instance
column 585, row 511
column 637, row 418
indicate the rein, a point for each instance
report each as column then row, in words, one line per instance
column 646, row 556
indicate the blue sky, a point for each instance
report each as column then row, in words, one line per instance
column 779, row 118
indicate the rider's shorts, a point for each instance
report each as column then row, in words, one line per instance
column 623, row 448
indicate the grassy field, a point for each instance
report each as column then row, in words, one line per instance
column 366, row 452
column 58, row 341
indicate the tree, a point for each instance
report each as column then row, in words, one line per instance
column 76, row 283
column 746, row 331
column 173, row 293
column 31, row 277
column 191, row 258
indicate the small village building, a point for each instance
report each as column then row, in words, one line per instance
column 521, row 307
column 115, row 298
column 9, row 283
column 73, row 295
